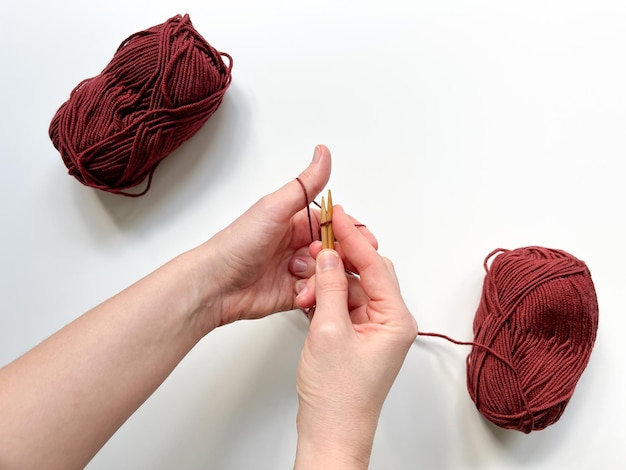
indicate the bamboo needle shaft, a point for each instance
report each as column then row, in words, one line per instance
column 326, row 219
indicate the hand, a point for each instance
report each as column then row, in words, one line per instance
column 245, row 269
column 359, row 336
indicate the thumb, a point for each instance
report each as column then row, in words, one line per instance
column 331, row 289
column 298, row 193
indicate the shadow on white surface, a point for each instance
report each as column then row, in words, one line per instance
column 185, row 175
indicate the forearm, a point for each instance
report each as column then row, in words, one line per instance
column 61, row 401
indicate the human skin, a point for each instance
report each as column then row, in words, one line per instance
column 62, row 400
column 359, row 336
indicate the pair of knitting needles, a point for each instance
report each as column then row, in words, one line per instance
column 326, row 223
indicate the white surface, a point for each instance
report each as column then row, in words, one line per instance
column 456, row 127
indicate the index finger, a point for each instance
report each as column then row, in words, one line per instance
column 376, row 277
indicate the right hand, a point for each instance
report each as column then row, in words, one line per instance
column 359, row 336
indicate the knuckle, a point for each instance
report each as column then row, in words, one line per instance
column 332, row 284
column 329, row 331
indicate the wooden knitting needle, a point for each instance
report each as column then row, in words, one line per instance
column 323, row 217
column 329, row 221
column 326, row 219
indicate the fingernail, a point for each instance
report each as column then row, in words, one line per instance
column 300, row 266
column 327, row 260
column 317, row 154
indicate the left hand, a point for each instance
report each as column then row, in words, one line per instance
column 257, row 259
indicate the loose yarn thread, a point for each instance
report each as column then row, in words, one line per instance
column 159, row 89
column 534, row 330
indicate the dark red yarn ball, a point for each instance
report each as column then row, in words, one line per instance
column 537, row 321
column 160, row 87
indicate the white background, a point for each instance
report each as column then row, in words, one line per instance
column 456, row 127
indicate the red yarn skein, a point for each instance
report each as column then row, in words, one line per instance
column 160, row 87
column 536, row 326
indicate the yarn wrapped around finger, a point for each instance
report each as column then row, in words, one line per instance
column 158, row 90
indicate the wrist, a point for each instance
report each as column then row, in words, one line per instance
column 336, row 441
column 204, row 291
